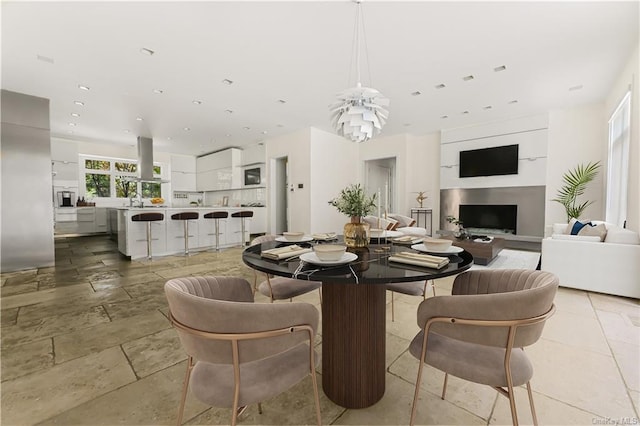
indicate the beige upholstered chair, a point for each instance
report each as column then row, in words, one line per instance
column 414, row 288
column 281, row 288
column 479, row 332
column 240, row 352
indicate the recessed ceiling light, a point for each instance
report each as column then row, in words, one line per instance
column 500, row 68
column 282, row 101
column 465, row 112
column 228, row 135
column 186, row 129
column 146, row 51
column 127, row 131
column 247, row 128
column 196, row 102
column 227, row 82
column 416, row 93
column 72, row 124
column 515, row 101
column 440, row 86
column 573, row 88
column 169, row 138
column 228, row 111
column 487, row 107
column 467, row 78
column 158, row 91
column 78, row 103
column 279, row 125
column 444, row 116
column 139, row 119
column 75, row 114
column 81, row 87
column 407, row 124
column 44, row 59
column 264, row 132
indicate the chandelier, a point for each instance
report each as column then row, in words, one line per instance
column 360, row 112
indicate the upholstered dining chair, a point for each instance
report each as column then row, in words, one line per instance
column 240, row 352
column 479, row 332
column 282, row 288
column 414, row 288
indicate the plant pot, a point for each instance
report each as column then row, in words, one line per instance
column 356, row 233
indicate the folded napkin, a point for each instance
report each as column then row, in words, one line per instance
column 426, row 260
column 284, row 252
column 407, row 239
column 325, row 236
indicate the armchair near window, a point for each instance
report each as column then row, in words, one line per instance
column 240, row 352
column 479, row 332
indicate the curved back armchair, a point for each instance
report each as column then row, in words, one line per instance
column 240, row 352
column 479, row 332
column 282, row 288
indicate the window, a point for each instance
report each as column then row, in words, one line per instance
column 114, row 178
column 618, row 162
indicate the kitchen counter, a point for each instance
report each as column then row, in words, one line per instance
column 168, row 234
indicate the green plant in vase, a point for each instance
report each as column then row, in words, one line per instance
column 461, row 232
column 355, row 203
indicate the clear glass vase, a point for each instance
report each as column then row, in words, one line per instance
column 356, row 233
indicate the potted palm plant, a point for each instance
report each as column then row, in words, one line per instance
column 354, row 203
column 574, row 184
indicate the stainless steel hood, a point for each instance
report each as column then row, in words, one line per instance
column 145, row 161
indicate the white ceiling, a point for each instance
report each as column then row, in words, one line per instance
column 301, row 52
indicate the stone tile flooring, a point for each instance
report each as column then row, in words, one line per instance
column 88, row 342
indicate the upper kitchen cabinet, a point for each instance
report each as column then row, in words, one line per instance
column 183, row 173
column 254, row 154
column 219, row 171
column 64, row 160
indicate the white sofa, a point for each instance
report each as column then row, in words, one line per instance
column 397, row 222
column 611, row 266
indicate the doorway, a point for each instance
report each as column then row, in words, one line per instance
column 380, row 176
column 281, row 186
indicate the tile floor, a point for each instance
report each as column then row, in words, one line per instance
column 88, row 342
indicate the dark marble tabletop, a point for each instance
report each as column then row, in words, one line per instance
column 371, row 267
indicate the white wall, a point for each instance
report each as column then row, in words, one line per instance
column 628, row 78
column 423, row 173
column 577, row 135
column 296, row 147
column 529, row 133
column 334, row 165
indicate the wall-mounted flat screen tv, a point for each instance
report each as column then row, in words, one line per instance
column 252, row 176
column 499, row 160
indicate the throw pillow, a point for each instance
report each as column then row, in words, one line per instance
column 576, row 225
column 588, row 229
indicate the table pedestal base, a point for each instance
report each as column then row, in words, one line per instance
column 353, row 343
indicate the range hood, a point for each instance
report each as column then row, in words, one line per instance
column 145, row 161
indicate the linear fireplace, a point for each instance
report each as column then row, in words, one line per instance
column 493, row 218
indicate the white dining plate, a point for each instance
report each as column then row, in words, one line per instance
column 304, row 239
column 449, row 251
column 314, row 259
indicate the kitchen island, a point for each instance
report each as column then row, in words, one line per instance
column 168, row 235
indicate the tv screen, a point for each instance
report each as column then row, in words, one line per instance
column 493, row 216
column 252, row 176
column 499, row 160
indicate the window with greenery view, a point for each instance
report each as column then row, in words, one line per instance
column 110, row 178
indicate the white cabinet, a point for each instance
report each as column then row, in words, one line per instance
column 175, row 233
column 259, row 220
column 219, row 171
column 86, row 220
column 64, row 170
column 100, row 220
column 183, row 173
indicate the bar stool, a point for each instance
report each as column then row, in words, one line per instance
column 185, row 217
column 148, row 217
column 217, row 216
column 243, row 215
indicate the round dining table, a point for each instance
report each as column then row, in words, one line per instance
column 354, row 311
